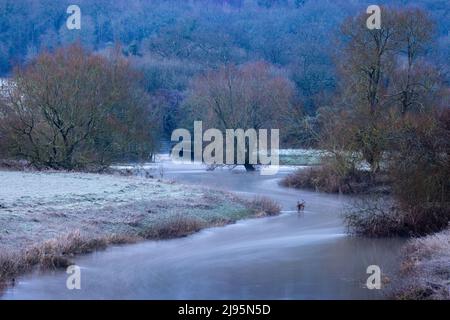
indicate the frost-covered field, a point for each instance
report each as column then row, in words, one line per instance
column 37, row 206
column 426, row 269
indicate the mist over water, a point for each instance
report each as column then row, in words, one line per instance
column 291, row 256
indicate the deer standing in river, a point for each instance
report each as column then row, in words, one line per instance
column 300, row 206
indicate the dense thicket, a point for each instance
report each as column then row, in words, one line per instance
column 386, row 127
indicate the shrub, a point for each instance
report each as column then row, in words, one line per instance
column 376, row 217
column 419, row 172
column 178, row 226
column 264, row 206
column 420, row 164
column 327, row 179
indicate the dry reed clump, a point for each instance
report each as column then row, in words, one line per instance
column 182, row 225
column 326, row 179
column 310, row 178
column 177, row 226
column 53, row 254
column 264, row 206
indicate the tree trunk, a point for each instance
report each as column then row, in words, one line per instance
column 249, row 167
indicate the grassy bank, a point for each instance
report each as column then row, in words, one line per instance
column 425, row 272
column 48, row 217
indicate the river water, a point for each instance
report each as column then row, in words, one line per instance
column 291, row 256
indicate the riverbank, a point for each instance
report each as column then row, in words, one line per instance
column 425, row 268
column 425, row 272
column 48, row 217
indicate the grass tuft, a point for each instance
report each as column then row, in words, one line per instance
column 264, row 206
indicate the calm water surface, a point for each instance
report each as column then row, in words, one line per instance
column 290, row 256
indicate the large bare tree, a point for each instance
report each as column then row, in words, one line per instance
column 71, row 109
column 252, row 96
column 383, row 73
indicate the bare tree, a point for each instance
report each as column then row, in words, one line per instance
column 414, row 80
column 71, row 109
column 382, row 74
column 251, row 96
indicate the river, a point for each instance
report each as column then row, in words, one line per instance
column 291, row 256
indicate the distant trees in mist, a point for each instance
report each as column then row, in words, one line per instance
column 311, row 67
column 172, row 40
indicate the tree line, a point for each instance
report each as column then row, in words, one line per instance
column 392, row 114
column 174, row 40
column 385, row 106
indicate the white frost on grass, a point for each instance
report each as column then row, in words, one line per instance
column 63, row 190
column 426, row 269
column 37, row 206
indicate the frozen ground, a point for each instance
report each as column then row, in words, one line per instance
column 426, row 268
column 38, row 206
